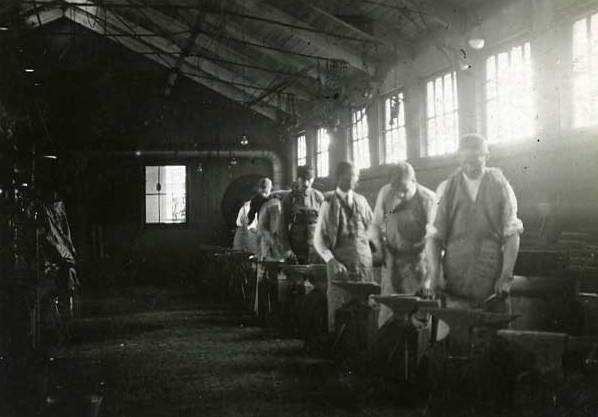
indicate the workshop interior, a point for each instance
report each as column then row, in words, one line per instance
column 298, row 208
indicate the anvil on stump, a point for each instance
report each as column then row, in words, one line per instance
column 266, row 290
column 545, row 303
column 400, row 343
column 546, row 362
column 236, row 269
column 355, row 321
column 292, row 297
column 311, row 304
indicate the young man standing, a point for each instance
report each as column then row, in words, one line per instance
column 342, row 236
column 477, row 228
column 300, row 210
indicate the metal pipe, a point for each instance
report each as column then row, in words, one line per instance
column 272, row 157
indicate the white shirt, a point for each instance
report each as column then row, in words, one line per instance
column 319, row 244
column 473, row 186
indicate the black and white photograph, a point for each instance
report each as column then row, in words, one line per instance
column 298, row 208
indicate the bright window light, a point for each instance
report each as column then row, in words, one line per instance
column 395, row 134
column 442, row 114
column 360, row 139
column 585, row 71
column 510, row 110
column 322, row 153
column 165, row 194
column 301, row 151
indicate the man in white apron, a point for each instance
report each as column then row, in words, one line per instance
column 342, row 236
column 476, row 226
column 402, row 212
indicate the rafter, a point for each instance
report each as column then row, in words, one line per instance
column 217, row 52
column 324, row 44
column 99, row 24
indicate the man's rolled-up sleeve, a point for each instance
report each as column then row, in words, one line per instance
column 319, row 239
column 511, row 223
column 438, row 219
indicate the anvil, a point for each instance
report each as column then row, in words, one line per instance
column 357, row 290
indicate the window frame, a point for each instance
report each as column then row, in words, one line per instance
column 384, row 131
column 320, row 152
column 364, row 139
column 507, row 46
column 144, row 213
column 424, row 142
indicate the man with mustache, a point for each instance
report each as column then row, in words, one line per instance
column 475, row 232
column 403, row 209
column 299, row 216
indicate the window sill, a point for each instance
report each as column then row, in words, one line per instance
column 172, row 226
column 567, row 140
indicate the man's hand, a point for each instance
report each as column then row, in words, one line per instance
column 336, row 269
column 503, row 284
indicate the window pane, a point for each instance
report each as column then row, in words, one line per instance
column 509, row 106
column 301, row 151
column 443, row 124
column 360, row 139
column 151, row 179
column 165, row 203
column 394, row 133
column 322, row 154
column 172, row 208
column 430, row 99
column 152, row 211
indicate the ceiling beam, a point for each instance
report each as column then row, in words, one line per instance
column 163, row 23
column 174, row 73
column 107, row 24
column 326, row 46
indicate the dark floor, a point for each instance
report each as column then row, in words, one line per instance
column 152, row 352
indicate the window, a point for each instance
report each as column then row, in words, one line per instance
column 509, row 95
column 395, row 136
column 322, row 153
column 360, row 139
column 585, row 71
column 442, row 111
column 301, row 151
column 165, row 194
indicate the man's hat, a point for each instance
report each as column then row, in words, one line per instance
column 474, row 142
column 306, row 172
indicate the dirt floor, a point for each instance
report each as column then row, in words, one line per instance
column 150, row 352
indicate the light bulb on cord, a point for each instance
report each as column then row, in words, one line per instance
column 244, row 140
column 477, row 43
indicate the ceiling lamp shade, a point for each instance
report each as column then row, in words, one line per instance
column 477, row 43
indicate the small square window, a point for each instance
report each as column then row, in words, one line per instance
column 165, row 194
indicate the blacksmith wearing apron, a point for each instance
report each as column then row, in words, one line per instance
column 342, row 238
column 271, row 246
column 300, row 214
column 403, row 210
column 476, row 226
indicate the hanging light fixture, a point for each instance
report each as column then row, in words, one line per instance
column 477, row 43
column 476, row 39
column 244, row 141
